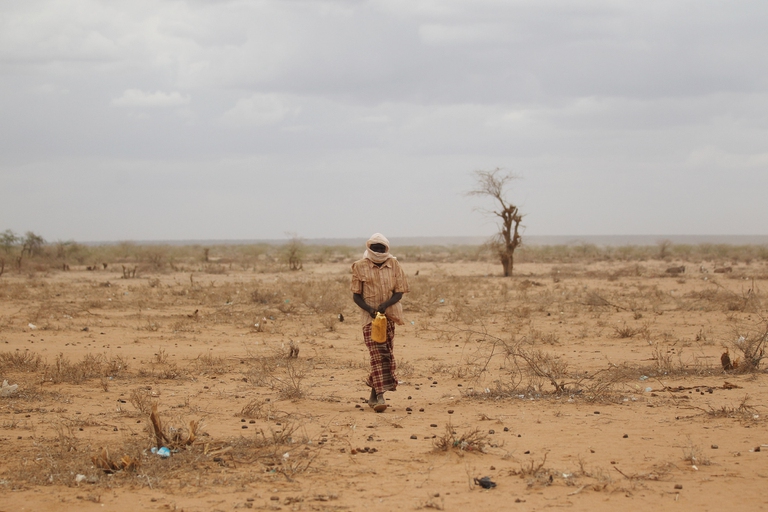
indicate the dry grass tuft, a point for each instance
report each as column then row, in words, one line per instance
column 19, row 361
column 469, row 441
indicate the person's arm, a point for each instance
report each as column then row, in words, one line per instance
column 358, row 298
column 394, row 299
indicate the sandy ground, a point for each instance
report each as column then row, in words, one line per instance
column 640, row 412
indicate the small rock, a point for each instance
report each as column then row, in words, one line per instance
column 625, row 436
column 715, row 447
column 414, row 436
column 678, row 486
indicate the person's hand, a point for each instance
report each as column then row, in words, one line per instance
column 372, row 312
column 382, row 308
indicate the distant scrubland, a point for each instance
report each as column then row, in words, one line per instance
column 31, row 252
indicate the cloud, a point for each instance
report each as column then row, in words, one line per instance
column 157, row 99
column 260, row 110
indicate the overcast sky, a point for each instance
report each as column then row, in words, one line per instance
column 216, row 119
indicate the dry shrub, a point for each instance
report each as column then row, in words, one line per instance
column 424, row 296
column 469, row 441
column 625, row 331
column 694, row 455
column 205, row 364
column 536, row 336
column 601, row 387
column 19, row 361
column 265, row 296
column 461, row 311
column 141, row 399
column 284, row 450
column 279, row 373
column 527, row 371
column 539, row 365
column 751, row 344
column 91, row 366
column 253, row 409
column 533, row 468
column 322, row 297
column 330, row 322
column 744, row 411
column 662, row 359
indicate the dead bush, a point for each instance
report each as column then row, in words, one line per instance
column 751, row 344
column 19, row 361
column 469, row 441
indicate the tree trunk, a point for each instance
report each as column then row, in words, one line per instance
column 507, row 264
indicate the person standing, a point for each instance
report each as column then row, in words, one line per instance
column 378, row 284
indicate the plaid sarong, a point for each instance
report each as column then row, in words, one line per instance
column 382, row 377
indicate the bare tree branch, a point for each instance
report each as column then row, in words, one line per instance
column 494, row 184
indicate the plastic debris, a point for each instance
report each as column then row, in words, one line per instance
column 163, row 451
column 7, row 390
column 485, row 482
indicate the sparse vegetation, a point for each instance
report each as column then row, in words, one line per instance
column 553, row 351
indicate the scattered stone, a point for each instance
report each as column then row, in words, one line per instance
column 678, row 486
column 414, row 436
column 625, row 436
column 506, row 429
column 491, row 431
column 450, row 411
column 433, row 425
column 715, row 447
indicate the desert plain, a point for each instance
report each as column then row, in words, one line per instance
column 588, row 385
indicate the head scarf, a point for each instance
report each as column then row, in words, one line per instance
column 377, row 257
